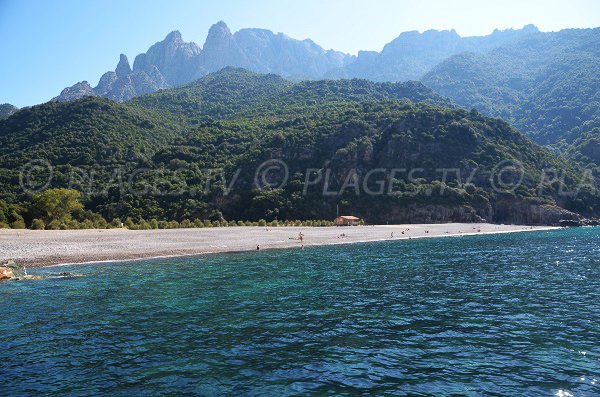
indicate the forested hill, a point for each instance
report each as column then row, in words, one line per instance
column 239, row 92
column 332, row 133
column 547, row 85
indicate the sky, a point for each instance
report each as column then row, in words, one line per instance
column 47, row 45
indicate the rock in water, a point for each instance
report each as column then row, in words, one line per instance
column 12, row 271
column 5, row 273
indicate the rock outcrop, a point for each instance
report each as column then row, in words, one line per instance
column 173, row 62
column 6, row 110
column 12, row 271
column 76, row 91
column 6, row 273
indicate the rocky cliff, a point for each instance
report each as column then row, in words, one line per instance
column 173, row 62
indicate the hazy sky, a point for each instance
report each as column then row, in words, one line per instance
column 48, row 45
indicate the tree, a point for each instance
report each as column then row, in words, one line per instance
column 57, row 204
column 38, row 224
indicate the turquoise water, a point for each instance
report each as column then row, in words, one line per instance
column 515, row 314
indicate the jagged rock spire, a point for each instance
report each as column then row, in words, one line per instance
column 123, row 69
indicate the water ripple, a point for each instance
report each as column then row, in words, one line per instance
column 513, row 314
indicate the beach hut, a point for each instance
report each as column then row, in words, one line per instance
column 346, row 220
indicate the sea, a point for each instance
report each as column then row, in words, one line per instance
column 489, row 315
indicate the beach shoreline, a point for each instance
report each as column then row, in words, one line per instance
column 44, row 248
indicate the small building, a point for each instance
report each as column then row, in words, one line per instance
column 346, row 220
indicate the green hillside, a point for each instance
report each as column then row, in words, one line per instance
column 155, row 156
column 546, row 85
column 234, row 92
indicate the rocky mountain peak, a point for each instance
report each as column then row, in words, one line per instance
column 173, row 62
column 123, row 69
column 174, row 37
column 76, row 91
column 218, row 35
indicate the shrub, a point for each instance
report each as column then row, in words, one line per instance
column 18, row 224
column 87, row 224
column 54, row 225
column 129, row 224
column 38, row 224
column 100, row 223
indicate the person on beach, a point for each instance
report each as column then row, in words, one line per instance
column 301, row 236
column 257, row 247
column 392, row 235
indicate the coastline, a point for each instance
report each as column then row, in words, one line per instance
column 34, row 248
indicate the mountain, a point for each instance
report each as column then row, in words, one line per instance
column 6, row 109
column 232, row 92
column 412, row 54
column 546, row 84
column 173, row 62
column 156, row 156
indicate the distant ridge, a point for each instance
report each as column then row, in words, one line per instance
column 173, row 62
column 412, row 54
column 546, row 84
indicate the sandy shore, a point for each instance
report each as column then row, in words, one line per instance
column 44, row 248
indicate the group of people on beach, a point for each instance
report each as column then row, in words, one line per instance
column 300, row 237
column 402, row 232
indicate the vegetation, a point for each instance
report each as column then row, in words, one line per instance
column 546, row 85
column 56, row 206
column 189, row 156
